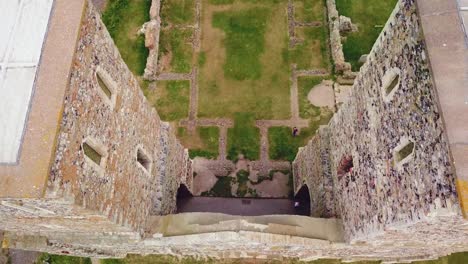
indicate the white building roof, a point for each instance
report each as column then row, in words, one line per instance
column 23, row 26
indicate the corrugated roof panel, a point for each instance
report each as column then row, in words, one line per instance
column 23, row 25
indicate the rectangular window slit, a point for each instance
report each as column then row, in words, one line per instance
column 143, row 159
column 393, row 84
column 405, row 151
column 92, row 154
column 104, row 87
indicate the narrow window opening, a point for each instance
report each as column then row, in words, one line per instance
column 92, row 154
column 392, row 85
column 346, row 166
column 104, row 87
column 107, row 87
column 143, row 160
column 405, row 151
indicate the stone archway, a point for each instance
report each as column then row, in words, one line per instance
column 302, row 201
column 183, row 195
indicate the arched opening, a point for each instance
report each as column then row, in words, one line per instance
column 302, row 201
column 183, row 196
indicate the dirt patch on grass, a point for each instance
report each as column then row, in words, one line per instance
column 322, row 94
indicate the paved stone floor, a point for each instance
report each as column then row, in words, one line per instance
column 237, row 206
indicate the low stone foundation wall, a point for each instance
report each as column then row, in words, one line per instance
column 151, row 30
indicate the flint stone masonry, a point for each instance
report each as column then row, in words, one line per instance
column 335, row 38
column 122, row 190
column 72, row 230
column 376, row 193
column 313, row 170
column 151, row 30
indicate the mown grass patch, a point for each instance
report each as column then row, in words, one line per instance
column 172, row 99
column 369, row 16
column 244, row 137
column 313, row 52
column 309, row 11
column 123, row 19
column 177, row 12
column 221, row 2
column 60, row 259
column 284, row 146
column 210, row 139
column 266, row 97
column 304, row 85
column 245, row 41
column 176, row 43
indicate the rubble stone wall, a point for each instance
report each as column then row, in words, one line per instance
column 62, row 228
column 119, row 186
column 379, row 190
column 313, row 170
column 152, row 30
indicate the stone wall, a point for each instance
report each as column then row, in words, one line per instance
column 379, row 190
column 152, row 30
column 313, row 170
column 117, row 127
column 62, row 228
column 341, row 66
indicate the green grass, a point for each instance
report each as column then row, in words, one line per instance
column 222, row 188
column 304, row 85
column 266, row 97
column 175, row 42
column 210, row 139
column 455, row 258
column 123, row 19
column 242, row 177
column 177, row 12
column 221, row 2
column 366, row 14
column 313, row 52
column 283, row 146
column 244, row 137
column 172, row 100
column 59, row 259
column 245, row 41
column 309, row 11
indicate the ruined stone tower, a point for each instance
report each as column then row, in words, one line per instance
column 91, row 170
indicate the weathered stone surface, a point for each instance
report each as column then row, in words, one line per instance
column 341, row 65
column 346, row 26
column 379, row 191
column 121, row 188
column 151, row 30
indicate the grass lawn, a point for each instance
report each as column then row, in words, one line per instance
column 456, row 258
column 313, row 52
column 177, row 12
column 367, row 14
column 304, row 85
column 244, row 138
column 170, row 98
column 204, row 143
column 175, row 50
column 283, row 146
column 123, row 19
column 309, row 11
column 244, row 70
